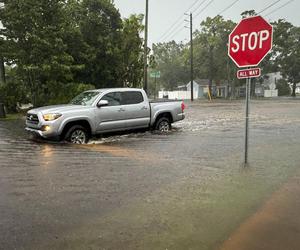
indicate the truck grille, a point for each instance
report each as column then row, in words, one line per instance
column 32, row 118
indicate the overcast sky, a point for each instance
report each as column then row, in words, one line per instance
column 163, row 13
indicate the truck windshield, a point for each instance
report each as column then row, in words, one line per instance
column 85, row 98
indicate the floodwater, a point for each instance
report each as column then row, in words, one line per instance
column 184, row 190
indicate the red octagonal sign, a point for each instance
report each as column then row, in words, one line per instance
column 250, row 41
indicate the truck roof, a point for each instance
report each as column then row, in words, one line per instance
column 115, row 89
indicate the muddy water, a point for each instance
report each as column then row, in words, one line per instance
column 183, row 190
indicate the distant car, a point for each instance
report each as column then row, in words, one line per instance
column 102, row 111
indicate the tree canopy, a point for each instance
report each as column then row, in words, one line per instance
column 55, row 45
column 54, row 49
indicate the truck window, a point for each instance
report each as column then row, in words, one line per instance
column 132, row 97
column 114, row 98
column 85, row 98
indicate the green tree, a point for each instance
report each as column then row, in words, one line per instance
column 58, row 45
column 283, row 87
column 211, row 60
column 287, row 51
column 101, row 30
column 35, row 31
column 13, row 90
column 171, row 62
column 248, row 13
column 132, row 51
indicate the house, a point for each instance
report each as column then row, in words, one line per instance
column 298, row 88
column 200, row 90
column 270, row 84
column 271, row 79
column 267, row 86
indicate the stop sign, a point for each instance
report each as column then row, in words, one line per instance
column 250, row 41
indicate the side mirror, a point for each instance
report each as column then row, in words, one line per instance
column 102, row 103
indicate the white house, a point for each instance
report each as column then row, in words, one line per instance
column 200, row 88
column 270, row 84
column 271, row 78
column 298, row 88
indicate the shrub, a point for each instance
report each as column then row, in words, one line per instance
column 283, row 88
column 64, row 93
column 14, row 90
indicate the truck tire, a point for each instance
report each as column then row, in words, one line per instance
column 163, row 124
column 77, row 134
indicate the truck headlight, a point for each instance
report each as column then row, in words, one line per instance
column 51, row 117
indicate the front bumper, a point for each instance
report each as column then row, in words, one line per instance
column 46, row 134
column 37, row 132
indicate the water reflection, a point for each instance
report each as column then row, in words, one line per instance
column 46, row 157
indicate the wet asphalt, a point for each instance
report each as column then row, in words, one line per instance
column 186, row 189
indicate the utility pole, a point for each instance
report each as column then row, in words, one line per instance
column 2, row 81
column 192, row 57
column 146, row 49
column 192, row 53
column 2, row 71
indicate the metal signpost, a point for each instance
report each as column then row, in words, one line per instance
column 249, row 42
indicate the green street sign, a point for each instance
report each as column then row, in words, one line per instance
column 155, row 74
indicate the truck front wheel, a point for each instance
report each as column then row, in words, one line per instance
column 163, row 125
column 77, row 135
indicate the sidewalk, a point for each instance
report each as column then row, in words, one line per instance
column 276, row 226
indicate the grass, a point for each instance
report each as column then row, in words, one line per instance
column 10, row 117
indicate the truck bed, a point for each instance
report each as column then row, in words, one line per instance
column 163, row 100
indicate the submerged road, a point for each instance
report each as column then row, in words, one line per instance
column 183, row 190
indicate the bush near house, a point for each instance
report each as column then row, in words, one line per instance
column 283, row 88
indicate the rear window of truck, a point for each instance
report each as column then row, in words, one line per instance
column 132, row 97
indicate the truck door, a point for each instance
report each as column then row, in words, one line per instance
column 137, row 109
column 111, row 117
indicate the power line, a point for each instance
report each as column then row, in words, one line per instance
column 269, row 6
column 173, row 35
column 202, row 2
column 176, row 31
column 280, row 7
column 204, row 8
column 228, row 7
column 171, row 29
column 195, row 4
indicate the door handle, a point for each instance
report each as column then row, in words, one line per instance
column 121, row 110
column 144, row 108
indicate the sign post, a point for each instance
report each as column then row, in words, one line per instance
column 249, row 42
column 248, row 90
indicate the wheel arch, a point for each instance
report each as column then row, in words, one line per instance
column 82, row 122
column 166, row 114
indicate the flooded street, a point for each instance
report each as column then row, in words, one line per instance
column 182, row 190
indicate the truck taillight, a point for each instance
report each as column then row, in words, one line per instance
column 183, row 106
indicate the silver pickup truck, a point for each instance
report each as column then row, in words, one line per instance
column 101, row 111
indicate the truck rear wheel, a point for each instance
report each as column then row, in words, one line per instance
column 77, row 135
column 163, row 125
